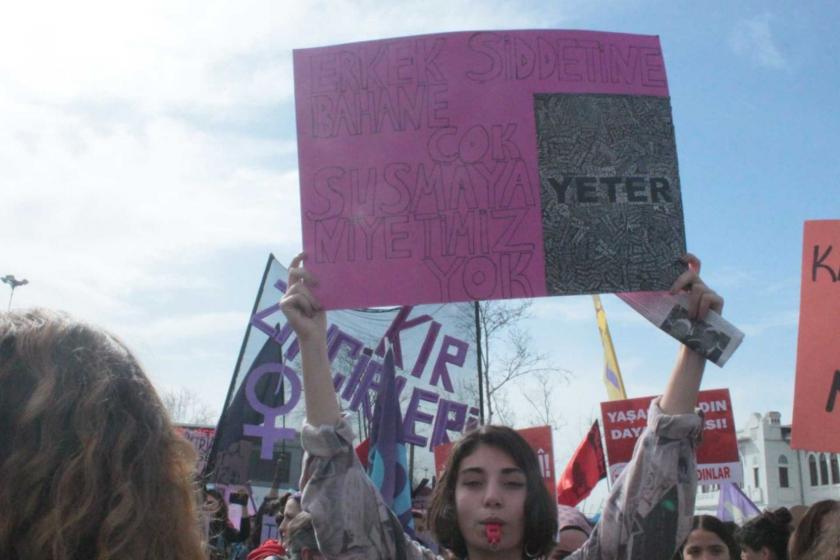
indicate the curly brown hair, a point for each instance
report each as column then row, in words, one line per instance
column 90, row 466
column 807, row 533
column 540, row 510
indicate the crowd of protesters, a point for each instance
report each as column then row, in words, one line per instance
column 772, row 535
column 91, row 468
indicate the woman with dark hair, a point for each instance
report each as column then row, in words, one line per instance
column 709, row 539
column 303, row 544
column 222, row 535
column 819, row 517
column 291, row 509
column 491, row 502
column 90, row 465
column 269, row 507
column 462, row 485
column 272, row 506
column 765, row 537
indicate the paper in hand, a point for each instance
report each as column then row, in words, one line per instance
column 714, row 338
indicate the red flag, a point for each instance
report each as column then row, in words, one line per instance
column 585, row 469
column 362, row 452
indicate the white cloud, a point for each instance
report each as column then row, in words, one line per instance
column 146, row 145
column 571, row 308
column 164, row 330
column 581, row 309
column 788, row 319
column 752, row 38
column 104, row 213
column 751, row 392
column 127, row 132
column 124, row 127
column 199, row 54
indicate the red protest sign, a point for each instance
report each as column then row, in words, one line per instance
column 202, row 439
column 717, row 455
column 816, row 401
column 539, row 438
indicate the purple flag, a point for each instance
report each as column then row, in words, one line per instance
column 387, row 448
column 734, row 505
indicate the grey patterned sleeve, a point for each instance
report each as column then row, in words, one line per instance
column 649, row 510
column 350, row 519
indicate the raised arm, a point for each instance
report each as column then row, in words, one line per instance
column 309, row 321
column 680, row 396
column 649, row 510
column 350, row 518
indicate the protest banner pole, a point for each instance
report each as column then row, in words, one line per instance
column 603, row 436
column 411, row 465
column 211, row 459
column 478, row 364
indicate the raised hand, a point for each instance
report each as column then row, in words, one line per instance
column 701, row 298
column 680, row 396
column 309, row 320
column 300, row 306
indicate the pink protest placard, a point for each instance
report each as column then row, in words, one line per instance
column 487, row 165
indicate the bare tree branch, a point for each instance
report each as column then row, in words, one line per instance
column 186, row 407
column 507, row 353
column 504, row 411
column 542, row 401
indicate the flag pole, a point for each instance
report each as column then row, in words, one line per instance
column 479, row 366
column 603, row 435
column 410, row 465
column 211, row 459
column 615, row 385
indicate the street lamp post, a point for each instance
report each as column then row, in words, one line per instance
column 13, row 283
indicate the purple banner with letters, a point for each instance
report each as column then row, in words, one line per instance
column 436, row 379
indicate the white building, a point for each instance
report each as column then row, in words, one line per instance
column 774, row 474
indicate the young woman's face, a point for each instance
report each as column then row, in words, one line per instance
column 211, row 504
column 490, row 488
column 704, row 545
column 289, row 512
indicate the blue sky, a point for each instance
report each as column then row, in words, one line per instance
column 148, row 165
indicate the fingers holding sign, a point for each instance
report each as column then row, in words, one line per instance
column 701, row 298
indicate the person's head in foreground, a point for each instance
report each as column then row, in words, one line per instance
column 291, row 509
column 819, row 519
column 491, row 497
column 826, row 547
column 709, row 539
column 301, row 538
column 765, row 537
column 90, row 466
column 573, row 530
